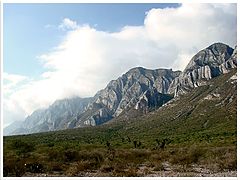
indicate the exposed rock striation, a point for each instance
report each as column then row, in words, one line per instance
column 129, row 90
column 211, row 62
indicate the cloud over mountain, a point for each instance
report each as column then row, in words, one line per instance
column 87, row 59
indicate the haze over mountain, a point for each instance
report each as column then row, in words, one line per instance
column 140, row 89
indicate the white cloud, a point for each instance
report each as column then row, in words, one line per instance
column 13, row 78
column 68, row 24
column 87, row 59
column 12, row 81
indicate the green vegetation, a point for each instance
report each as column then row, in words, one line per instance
column 195, row 131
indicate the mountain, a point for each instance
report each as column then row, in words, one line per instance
column 207, row 113
column 129, row 90
column 60, row 115
column 141, row 86
column 211, row 62
column 13, row 127
column 138, row 91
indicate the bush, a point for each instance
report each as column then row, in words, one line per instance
column 56, row 166
column 96, row 156
column 71, row 155
column 228, row 161
column 159, row 167
column 107, row 168
column 13, row 167
column 222, row 158
column 55, row 155
column 50, row 144
column 22, row 147
column 186, row 157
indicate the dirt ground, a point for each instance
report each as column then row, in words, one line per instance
column 145, row 171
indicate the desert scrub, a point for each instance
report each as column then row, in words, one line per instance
column 187, row 156
column 222, row 158
column 13, row 166
column 54, row 154
column 93, row 155
column 71, row 155
column 133, row 155
column 130, row 172
column 159, row 167
column 22, row 147
column 55, row 166
column 228, row 162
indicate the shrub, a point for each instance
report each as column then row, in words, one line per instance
column 70, row 155
column 50, row 144
column 56, row 166
column 186, row 157
column 107, row 168
column 159, row 167
column 96, row 156
column 13, row 167
column 22, row 147
column 55, row 155
column 228, row 161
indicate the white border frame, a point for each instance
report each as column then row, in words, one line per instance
column 113, row 1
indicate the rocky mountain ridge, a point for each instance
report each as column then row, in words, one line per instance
column 211, row 62
column 59, row 115
column 141, row 88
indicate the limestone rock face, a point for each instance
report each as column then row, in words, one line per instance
column 213, row 61
column 127, row 90
column 152, row 99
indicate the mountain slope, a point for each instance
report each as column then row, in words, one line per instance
column 128, row 90
column 208, row 110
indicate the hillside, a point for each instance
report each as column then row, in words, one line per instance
column 198, row 130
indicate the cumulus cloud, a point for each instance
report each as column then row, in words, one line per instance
column 68, row 24
column 87, row 59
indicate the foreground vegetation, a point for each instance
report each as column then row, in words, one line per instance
column 72, row 158
column 193, row 136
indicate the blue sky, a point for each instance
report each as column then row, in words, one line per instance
column 56, row 51
column 31, row 29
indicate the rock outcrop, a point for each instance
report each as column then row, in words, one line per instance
column 129, row 90
column 213, row 61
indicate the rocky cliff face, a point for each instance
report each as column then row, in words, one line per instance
column 129, row 90
column 213, row 61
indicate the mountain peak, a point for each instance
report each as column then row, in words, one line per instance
column 212, row 56
column 220, row 46
column 208, row 63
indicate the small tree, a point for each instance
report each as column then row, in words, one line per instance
column 135, row 144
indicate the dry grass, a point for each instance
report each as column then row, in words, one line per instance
column 125, row 162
